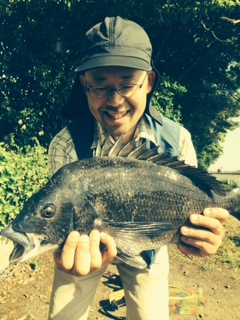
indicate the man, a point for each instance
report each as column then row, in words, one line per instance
column 111, row 98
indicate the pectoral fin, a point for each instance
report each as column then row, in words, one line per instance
column 134, row 261
column 134, row 237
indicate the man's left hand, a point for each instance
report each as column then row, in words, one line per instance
column 206, row 241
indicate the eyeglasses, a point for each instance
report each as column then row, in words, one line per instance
column 126, row 90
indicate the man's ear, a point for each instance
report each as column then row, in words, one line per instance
column 151, row 79
column 83, row 81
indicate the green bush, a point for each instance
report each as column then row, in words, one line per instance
column 21, row 174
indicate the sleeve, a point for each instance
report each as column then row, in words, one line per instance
column 187, row 151
column 61, row 151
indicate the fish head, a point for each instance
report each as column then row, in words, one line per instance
column 43, row 224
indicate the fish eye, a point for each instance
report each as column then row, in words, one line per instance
column 48, row 211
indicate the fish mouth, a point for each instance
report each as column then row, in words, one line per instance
column 26, row 245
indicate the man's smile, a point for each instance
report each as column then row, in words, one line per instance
column 116, row 115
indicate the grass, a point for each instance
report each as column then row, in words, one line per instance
column 229, row 252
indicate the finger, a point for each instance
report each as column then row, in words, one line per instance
column 66, row 259
column 110, row 251
column 218, row 213
column 205, row 222
column 206, row 242
column 96, row 255
column 82, row 262
column 198, row 248
column 210, row 230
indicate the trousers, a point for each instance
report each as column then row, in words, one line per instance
column 146, row 292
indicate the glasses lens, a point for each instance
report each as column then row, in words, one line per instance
column 99, row 92
column 127, row 90
column 103, row 92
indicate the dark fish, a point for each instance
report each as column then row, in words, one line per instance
column 141, row 204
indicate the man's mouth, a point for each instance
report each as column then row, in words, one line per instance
column 116, row 115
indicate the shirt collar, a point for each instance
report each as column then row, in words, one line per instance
column 143, row 131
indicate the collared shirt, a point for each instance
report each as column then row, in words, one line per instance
column 103, row 140
column 62, row 150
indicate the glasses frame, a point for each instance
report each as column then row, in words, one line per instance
column 118, row 90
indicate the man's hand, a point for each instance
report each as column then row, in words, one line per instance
column 204, row 241
column 81, row 254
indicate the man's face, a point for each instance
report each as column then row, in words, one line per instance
column 117, row 114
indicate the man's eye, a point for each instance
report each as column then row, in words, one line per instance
column 100, row 90
column 127, row 88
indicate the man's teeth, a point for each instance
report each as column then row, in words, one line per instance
column 117, row 115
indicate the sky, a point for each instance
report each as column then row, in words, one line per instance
column 230, row 160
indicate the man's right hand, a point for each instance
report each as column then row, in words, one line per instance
column 81, row 254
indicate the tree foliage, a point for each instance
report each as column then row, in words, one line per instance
column 21, row 174
column 196, row 49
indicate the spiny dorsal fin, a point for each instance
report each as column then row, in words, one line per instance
column 139, row 150
column 128, row 148
column 148, row 154
column 198, row 176
column 201, row 178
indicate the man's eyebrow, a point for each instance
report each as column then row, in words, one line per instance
column 99, row 78
column 123, row 77
column 127, row 77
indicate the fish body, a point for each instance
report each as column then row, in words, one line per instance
column 141, row 204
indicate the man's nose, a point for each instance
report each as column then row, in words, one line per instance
column 115, row 99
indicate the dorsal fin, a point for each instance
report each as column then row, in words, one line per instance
column 201, row 178
column 127, row 149
column 139, row 150
column 148, row 154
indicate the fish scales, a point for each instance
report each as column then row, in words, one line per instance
column 118, row 186
column 134, row 193
column 139, row 203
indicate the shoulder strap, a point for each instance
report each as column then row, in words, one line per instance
column 82, row 137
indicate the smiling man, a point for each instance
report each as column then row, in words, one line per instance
column 111, row 98
column 117, row 97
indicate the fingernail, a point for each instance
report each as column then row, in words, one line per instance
column 74, row 236
column 184, row 230
column 207, row 212
column 95, row 235
column 84, row 238
column 194, row 218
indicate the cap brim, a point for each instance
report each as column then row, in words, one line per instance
column 120, row 61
